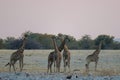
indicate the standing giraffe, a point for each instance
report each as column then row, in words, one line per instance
column 17, row 55
column 66, row 56
column 93, row 57
column 52, row 56
column 58, row 54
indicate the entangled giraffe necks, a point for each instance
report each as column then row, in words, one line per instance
column 52, row 56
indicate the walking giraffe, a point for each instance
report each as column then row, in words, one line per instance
column 52, row 56
column 17, row 55
column 93, row 57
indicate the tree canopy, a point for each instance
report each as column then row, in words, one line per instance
column 43, row 41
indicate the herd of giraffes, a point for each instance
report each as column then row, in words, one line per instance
column 54, row 57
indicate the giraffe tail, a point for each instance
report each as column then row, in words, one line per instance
column 7, row 64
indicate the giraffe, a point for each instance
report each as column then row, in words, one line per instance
column 17, row 55
column 93, row 57
column 66, row 56
column 52, row 56
column 58, row 55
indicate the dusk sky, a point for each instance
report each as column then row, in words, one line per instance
column 71, row 17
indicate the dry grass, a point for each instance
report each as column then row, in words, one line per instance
column 36, row 61
column 108, row 72
column 102, row 72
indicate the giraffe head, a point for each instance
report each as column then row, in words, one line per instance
column 25, row 36
column 63, row 37
column 67, row 38
column 53, row 37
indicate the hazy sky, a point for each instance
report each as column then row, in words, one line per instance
column 72, row 17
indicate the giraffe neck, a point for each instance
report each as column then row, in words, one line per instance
column 65, row 47
column 100, row 46
column 55, row 45
column 21, row 49
column 62, row 46
column 97, row 51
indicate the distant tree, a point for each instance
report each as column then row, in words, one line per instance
column 86, row 42
column 116, row 45
column 43, row 41
column 15, row 44
column 32, row 44
column 8, row 42
column 1, row 44
column 73, row 42
column 107, row 41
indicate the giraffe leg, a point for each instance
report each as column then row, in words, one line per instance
column 87, row 66
column 51, row 67
column 48, row 66
column 69, row 65
column 11, row 64
column 14, row 67
column 59, row 65
column 22, row 64
column 59, row 68
column 10, row 67
column 96, row 65
column 96, row 62
column 48, row 69
column 54, row 66
column 64, row 64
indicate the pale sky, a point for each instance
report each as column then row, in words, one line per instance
column 71, row 17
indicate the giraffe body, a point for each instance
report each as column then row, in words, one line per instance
column 52, row 57
column 57, row 54
column 66, row 60
column 66, row 57
column 17, row 56
column 93, row 57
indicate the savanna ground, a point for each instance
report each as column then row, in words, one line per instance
column 35, row 61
